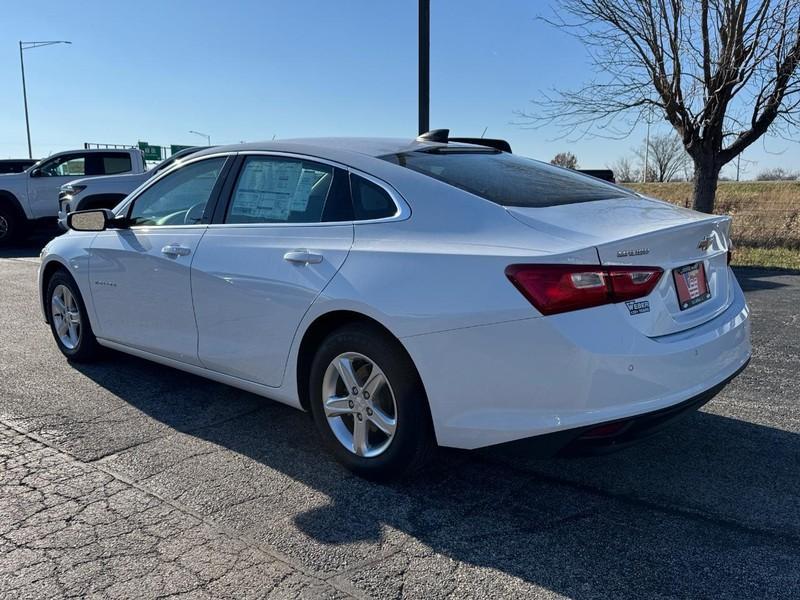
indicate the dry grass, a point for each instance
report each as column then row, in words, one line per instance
column 766, row 214
column 771, row 258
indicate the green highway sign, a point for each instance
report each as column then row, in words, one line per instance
column 174, row 148
column 151, row 152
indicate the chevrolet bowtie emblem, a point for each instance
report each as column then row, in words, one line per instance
column 705, row 243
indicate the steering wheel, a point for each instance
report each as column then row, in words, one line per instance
column 195, row 214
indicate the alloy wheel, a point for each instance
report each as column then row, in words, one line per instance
column 359, row 404
column 66, row 317
column 3, row 227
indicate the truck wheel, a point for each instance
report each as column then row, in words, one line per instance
column 12, row 225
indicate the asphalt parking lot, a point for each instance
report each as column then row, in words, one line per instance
column 128, row 479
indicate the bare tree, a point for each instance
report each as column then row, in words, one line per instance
column 665, row 157
column 721, row 72
column 565, row 159
column 624, row 171
column 776, row 174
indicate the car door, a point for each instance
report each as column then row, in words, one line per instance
column 45, row 181
column 140, row 274
column 284, row 234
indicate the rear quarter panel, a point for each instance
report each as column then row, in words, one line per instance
column 444, row 266
column 441, row 269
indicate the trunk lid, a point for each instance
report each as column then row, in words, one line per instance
column 644, row 232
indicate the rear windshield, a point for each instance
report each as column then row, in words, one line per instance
column 507, row 179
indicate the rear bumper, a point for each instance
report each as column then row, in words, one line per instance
column 509, row 381
column 602, row 438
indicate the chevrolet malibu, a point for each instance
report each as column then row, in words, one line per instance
column 410, row 293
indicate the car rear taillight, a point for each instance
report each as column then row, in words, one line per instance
column 555, row 289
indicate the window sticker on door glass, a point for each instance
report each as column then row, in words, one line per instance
column 266, row 190
column 302, row 192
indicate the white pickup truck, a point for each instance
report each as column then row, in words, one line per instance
column 32, row 196
column 110, row 190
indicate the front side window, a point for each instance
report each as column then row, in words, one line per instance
column 507, row 179
column 180, row 198
column 68, row 165
column 170, row 162
column 274, row 189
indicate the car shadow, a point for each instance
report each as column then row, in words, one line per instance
column 29, row 247
column 708, row 508
column 761, row 278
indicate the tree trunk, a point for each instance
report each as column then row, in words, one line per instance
column 706, row 175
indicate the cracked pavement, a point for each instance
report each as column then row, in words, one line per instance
column 128, row 479
column 71, row 529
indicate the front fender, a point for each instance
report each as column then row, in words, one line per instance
column 48, row 265
column 71, row 253
column 10, row 193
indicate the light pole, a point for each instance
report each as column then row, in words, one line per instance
column 647, row 147
column 205, row 135
column 424, row 59
column 28, row 46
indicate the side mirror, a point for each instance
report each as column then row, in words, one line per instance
column 90, row 220
column 36, row 172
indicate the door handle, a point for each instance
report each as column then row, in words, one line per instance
column 302, row 257
column 175, row 250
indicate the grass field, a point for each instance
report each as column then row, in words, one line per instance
column 766, row 217
column 772, row 258
column 765, row 214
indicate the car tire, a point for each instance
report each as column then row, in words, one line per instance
column 400, row 399
column 12, row 225
column 69, row 321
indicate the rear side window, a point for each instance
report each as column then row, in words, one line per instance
column 370, row 201
column 507, row 179
column 287, row 190
column 115, row 163
column 15, row 166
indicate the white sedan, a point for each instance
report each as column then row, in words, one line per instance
column 410, row 293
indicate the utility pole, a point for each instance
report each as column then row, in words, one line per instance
column 424, row 65
column 25, row 99
column 647, row 149
column 27, row 46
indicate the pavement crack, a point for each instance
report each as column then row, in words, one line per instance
column 72, row 527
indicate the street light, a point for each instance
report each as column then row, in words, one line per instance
column 28, row 46
column 647, row 147
column 205, row 135
column 424, row 59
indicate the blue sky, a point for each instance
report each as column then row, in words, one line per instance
column 248, row 70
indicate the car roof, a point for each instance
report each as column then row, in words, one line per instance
column 187, row 151
column 332, row 148
column 95, row 150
